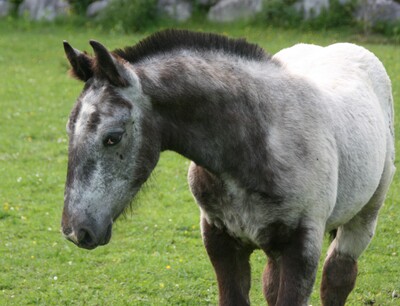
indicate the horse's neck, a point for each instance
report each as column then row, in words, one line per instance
column 210, row 112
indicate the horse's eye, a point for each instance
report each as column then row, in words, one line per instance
column 112, row 139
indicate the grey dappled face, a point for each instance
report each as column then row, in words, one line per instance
column 113, row 145
column 100, row 178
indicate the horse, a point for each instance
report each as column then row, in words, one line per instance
column 284, row 148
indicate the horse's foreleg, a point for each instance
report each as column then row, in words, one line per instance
column 231, row 264
column 293, row 266
column 271, row 279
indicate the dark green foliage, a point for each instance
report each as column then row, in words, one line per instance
column 79, row 6
column 338, row 15
column 284, row 14
column 129, row 15
column 389, row 29
column 16, row 2
column 280, row 13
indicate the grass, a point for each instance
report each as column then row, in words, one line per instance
column 156, row 255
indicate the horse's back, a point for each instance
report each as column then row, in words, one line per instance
column 340, row 68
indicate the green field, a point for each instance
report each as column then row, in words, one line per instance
column 156, row 255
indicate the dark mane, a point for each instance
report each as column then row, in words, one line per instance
column 171, row 40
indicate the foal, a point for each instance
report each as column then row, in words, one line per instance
column 284, row 149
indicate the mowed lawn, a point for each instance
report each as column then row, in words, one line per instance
column 156, row 256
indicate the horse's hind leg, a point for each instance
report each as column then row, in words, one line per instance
column 338, row 278
column 231, row 264
column 340, row 268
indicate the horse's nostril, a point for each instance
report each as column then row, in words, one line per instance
column 86, row 239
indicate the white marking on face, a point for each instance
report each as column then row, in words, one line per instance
column 88, row 102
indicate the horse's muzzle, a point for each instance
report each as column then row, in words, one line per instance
column 85, row 237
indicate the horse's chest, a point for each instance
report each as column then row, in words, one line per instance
column 238, row 212
column 224, row 204
column 237, row 223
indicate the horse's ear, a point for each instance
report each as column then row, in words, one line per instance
column 80, row 62
column 107, row 66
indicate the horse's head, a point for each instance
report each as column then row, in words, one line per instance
column 113, row 145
